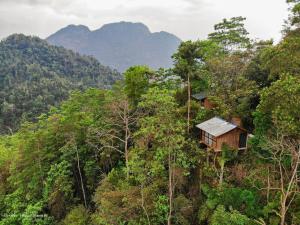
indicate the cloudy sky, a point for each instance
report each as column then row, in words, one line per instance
column 188, row 19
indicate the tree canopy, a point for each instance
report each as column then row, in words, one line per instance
column 35, row 76
column 121, row 154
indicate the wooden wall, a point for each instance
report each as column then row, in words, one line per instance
column 207, row 104
column 231, row 139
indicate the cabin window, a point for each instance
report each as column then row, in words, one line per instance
column 208, row 138
column 243, row 140
column 202, row 102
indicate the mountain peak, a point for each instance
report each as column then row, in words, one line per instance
column 76, row 28
column 120, row 45
column 72, row 30
column 124, row 26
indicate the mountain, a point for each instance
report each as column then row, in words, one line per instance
column 35, row 76
column 120, row 45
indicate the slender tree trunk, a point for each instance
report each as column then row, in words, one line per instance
column 143, row 206
column 10, row 130
column 221, row 173
column 126, row 150
column 285, row 193
column 189, row 104
column 283, row 209
column 170, row 188
column 81, row 180
column 200, row 182
column 126, row 140
column 268, row 189
column 40, row 163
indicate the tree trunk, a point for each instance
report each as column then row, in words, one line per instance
column 268, row 188
column 189, row 104
column 283, row 209
column 143, row 206
column 126, row 141
column 126, row 152
column 221, row 173
column 170, row 188
column 288, row 191
column 81, row 180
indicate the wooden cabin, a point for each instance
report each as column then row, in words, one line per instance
column 216, row 132
column 203, row 100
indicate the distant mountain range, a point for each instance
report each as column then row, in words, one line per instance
column 34, row 76
column 119, row 45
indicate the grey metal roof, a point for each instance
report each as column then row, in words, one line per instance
column 216, row 126
column 200, row 96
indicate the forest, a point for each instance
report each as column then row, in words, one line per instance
column 35, row 76
column 130, row 154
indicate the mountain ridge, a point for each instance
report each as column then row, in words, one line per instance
column 119, row 45
column 35, row 76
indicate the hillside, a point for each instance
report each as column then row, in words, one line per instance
column 35, row 76
column 213, row 141
column 120, row 45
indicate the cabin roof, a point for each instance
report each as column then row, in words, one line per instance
column 200, row 96
column 216, row 126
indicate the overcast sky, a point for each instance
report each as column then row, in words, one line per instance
column 188, row 19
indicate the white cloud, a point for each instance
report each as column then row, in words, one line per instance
column 188, row 19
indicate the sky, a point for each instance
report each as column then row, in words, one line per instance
column 187, row 19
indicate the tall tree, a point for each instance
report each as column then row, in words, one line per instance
column 278, row 128
column 136, row 82
column 294, row 17
column 230, row 90
column 284, row 57
column 161, row 133
column 187, row 64
column 231, row 34
column 120, row 118
column 283, row 150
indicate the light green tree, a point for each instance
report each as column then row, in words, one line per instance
column 231, row 34
column 161, row 139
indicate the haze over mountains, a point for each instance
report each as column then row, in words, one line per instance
column 119, row 45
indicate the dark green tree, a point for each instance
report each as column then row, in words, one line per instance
column 189, row 60
column 136, row 82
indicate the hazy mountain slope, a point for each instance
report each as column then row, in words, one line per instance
column 119, row 45
column 35, row 76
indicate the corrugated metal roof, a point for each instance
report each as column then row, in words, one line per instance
column 216, row 126
column 200, row 96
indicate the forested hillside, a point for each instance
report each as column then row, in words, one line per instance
column 120, row 45
column 132, row 154
column 35, row 76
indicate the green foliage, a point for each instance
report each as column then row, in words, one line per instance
column 221, row 217
column 294, row 18
column 136, row 82
column 49, row 157
column 230, row 90
column 228, row 153
column 36, row 76
column 191, row 56
column 161, row 209
column 281, row 103
column 77, row 164
column 58, row 181
column 231, row 34
column 284, row 57
column 77, row 216
column 237, row 200
column 257, row 70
